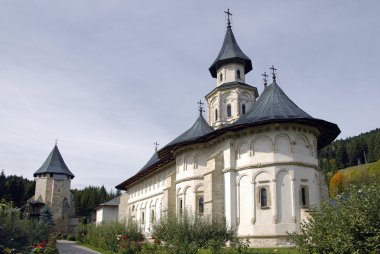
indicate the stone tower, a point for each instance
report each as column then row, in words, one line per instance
column 53, row 183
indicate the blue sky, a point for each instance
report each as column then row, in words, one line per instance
column 109, row 78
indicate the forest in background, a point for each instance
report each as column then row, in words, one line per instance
column 351, row 151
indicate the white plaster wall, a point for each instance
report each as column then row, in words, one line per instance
column 229, row 73
column 107, row 214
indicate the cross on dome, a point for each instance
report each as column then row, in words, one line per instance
column 229, row 14
column 273, row 73
column 265, row 78
column 156, row 145
column 200, row 106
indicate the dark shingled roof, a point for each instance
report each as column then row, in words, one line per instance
column 275, row 106
column 199, row 129
column 54, row 164
column 154, row 159
column 230, row 53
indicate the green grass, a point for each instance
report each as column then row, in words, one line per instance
column 358, row 167
column 249, row 251
column 96, row 249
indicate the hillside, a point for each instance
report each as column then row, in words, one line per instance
column 343, row 153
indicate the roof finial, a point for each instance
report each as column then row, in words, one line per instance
column 56, row 142
column 200, row 107
column 156, row 145
column 273, row 73
column 228, row 17
column 265, row 78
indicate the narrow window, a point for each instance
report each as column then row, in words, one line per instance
column 142, row 218
column 200, row 205
column 238, row 74
column 303, row 196
column 221, row 77
column 243, row 109
column 228, row 110
column 180, row 206
column 304, row 199
column 263, row 198
column 216, row 114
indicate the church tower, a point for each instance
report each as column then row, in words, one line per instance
column 53, row 184
column 232, row 97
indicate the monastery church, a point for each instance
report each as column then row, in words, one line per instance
column 253, row 163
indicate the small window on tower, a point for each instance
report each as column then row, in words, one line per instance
column 228, row 110
column 216, row 114
column 200, row 205
column 221, row 77
column 243, row 109
column 180, row 206
column 238, row 74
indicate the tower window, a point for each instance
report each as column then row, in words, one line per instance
column 228, row 110
column 238, row 74
column 152, row 219
column 243, row 109
column 216, row 114
column 221, row 77
column 200, row 204
column 263, row 197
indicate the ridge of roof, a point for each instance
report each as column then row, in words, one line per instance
column 230, row 53
column 54, row 164
column 154, row 159
column 198, row 129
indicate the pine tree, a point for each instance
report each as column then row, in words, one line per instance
column 46, row 216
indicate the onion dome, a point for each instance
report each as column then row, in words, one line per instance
column 54, row 164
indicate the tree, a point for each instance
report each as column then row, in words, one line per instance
column 46, row 216
column 349, row 223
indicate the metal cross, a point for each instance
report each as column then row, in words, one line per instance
column 200, row 106
column 228, row 17
column 273, row 72
column 156, row 145
column 265, row 78
column 56, row 141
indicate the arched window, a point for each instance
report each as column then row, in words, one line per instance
column 228, row 110
column 142, row 217
column 200, row 204
column 243, row 109
column 263, row 198
column 238, row 74
column 216, row 114
column 152, row 216
column 221, row 77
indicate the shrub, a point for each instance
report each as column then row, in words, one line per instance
column 111, row 236
column 349, row 223
column 71, row 237
column 18, row 232
column 187, row 233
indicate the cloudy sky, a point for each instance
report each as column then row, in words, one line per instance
column 109, row 78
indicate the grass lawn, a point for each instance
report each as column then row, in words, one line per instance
column 249, row 251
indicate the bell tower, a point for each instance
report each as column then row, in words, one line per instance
column 53, row 188
column 232, row 97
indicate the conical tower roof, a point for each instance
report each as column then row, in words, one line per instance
column 54, row 164
column 230, row 53
column 274, row 106
column 197, row 130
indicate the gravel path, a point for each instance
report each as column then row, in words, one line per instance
column 70, row 247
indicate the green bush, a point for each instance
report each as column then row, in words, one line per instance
column 187, row 234
column 71, row 237
column 18, row 232
column 349, row 223
column 111, row 236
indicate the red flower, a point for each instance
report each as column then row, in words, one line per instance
column 124, row 237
